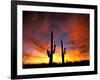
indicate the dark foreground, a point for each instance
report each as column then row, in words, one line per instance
column 82, row 63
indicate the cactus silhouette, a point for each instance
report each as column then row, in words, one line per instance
column 63, row 51
column 53, row 47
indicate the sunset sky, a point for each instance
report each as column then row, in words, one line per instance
column 72, row 28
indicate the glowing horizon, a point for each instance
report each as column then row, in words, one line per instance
column 72, row 29
column 70, row 56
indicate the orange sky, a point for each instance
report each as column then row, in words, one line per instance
column 71, row 55
column 72, row 29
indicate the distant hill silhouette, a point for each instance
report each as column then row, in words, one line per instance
column 67, row 64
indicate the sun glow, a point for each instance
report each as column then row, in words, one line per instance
column 68, row 32
column 70, row 56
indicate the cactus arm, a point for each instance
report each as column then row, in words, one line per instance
column 54, row 48
column 64, row 50
column 48, row 52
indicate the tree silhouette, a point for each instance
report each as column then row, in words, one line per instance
column 53, row 47
column 63, row 51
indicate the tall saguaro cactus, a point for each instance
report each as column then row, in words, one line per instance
column 53, row 47
column 63, row 51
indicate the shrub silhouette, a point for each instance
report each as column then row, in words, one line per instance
column 53, row 47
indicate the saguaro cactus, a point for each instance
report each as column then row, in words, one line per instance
column 53, row 47
column 63, row 51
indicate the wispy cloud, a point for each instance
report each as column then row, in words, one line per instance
column 73, row 29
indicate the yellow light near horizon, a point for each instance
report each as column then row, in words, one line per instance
column 57, row 58
column 70, row 56
column 40, row 60
column 37, row 60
